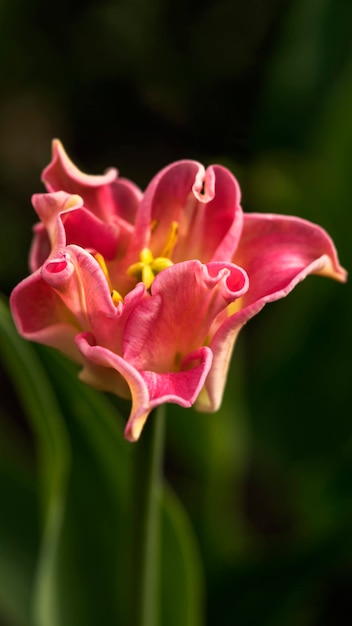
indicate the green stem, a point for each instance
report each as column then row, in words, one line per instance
column 147, row 487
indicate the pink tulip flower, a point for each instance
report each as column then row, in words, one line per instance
column 148, row 292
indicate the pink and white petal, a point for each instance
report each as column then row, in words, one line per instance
column 86, row 230
column 212, row 223
column 180, row 388
column 278, row 252
column 185, row 302
column 40, row 315
column 49, row 207
column 71, row 290
column 225, row 214
column 61, row 274
column 62, row 174
column 68, row 221
column 163, row 202
column 108, row 371
column 204, row 203
column 104, row 319
column 102, row 195
column 80, row 282
column 127, row 197
column 222, row 346
column 40, row 247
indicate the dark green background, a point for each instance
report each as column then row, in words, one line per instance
column 266, row 89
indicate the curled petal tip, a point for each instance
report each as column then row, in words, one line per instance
column 343, row 276
column 56, row 145
column 204, row 185
column 57, row 271
column 135, row 426
column 331, row 268
column 61, row 165
column 339, row 273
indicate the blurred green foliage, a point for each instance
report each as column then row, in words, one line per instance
column 266, row 89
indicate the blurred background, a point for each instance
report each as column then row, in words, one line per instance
column 265, row 89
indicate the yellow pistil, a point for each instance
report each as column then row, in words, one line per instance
column 147, row 267
column 115, row 295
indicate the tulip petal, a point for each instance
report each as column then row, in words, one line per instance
column 67, row 221
column 84, row 229
column 108, row 371
column 49, row 208
column 40, row 247
column 277, row 252
column 186, row 300
column 220, row 226
column 42, row 316
column 203, row 203
column 103, row 318
column 104, row 196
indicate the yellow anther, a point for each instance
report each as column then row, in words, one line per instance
column 115, row 295
column 99, row 257
column 171, row 240
column 154, row 225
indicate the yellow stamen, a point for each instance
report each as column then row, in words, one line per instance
column 99, row 257
column 171, row 240
column 154, row 225
column 115, row 295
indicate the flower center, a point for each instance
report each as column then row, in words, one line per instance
column 148, row 267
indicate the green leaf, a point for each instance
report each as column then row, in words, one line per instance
column 39, row 403
column 18, row 524
column 94, row 562
column 102, row 473
column 181, row 569
column 84, row 567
